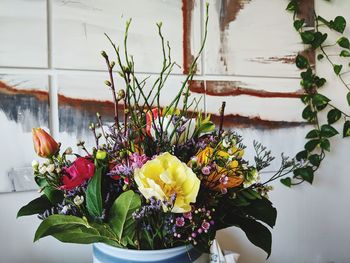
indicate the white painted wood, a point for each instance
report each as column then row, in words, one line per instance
column 253, row 43
column 270, row 109
column 23, row 33
column 16, row 120
column 78, row 28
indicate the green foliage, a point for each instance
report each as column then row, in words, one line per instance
column 344, row 42
column 339, row 24
column 36, row 206
column 74, row 229
column 121, row 221
column 333, row 116
column 287, row 181
column 337, row 69
column 346, row 129
column 94, row 195
column 301, row 62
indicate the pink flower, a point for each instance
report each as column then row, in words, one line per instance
column 137, row 160
column 180, row 221
column 80, row 171
column 188, row 215
column 205, row 225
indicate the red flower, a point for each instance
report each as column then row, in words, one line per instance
column 81, row 170
column 44, row 145
column 150, row 119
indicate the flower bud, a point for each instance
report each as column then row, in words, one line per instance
column 112, row 64
column 104, row 54
column 121, row 94
column 44, row 145
column 78, row 200
column 101, row 155
column 69, row 151
column 108, row 83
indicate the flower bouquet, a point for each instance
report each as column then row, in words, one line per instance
column 158, row 177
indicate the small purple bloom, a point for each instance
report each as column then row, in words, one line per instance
column 206, row 170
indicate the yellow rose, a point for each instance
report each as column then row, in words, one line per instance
column 165, row 176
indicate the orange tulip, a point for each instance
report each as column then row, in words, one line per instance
column 44, row 145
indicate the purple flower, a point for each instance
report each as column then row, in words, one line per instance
column 180, row 221
column 206, row 170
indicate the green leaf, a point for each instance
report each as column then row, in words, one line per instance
column 57, row 223
column 93, row 194
column 315, row 159
column 55, row 196
column 348, row 98
column 320, row 56
column 313, row 134
column 337, row 69
column 298, row 24
column 257, row 233
column 325, row 144
column 346, row 129
column 302, row 155
column 333, row 116
column 319, row 38
column 328, row 131
column 307, row 37
column 344, row 42
column 339, row 24
column 292, row 6
column 320, row 100
column 262, row 209
column 286, row 181
column 311, row 145
column 121, row 221
column 345, row 53
column 250, row 194
column 308, row 114
column 320, row 82
column 37, row 206
column 301, row 62
column 305, row 173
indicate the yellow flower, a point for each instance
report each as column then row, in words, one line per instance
column 224, row 178
column 165, row 176
column 205, row 155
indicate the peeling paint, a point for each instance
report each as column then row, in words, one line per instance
column 233, row 88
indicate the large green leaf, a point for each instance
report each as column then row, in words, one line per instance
column 121, row 221
column 257, row 233
column 72, row 229
column 37, row 206
column 57, row 223
column 262, row 209
column 93, row 194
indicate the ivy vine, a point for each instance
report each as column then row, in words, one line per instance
column 318, row 138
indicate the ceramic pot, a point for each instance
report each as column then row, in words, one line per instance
column 103, row 253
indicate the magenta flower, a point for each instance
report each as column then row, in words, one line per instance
column 205, row 225
column 206, row 170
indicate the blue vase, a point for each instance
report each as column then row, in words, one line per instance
column 103, row 253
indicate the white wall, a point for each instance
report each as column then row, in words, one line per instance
column 313, row 221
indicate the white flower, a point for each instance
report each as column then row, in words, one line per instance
column 50, row 168
column 78, row 200
column 252, row 178
column 42, row 169
column 35, row 165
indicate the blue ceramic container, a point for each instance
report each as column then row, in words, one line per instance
column 103, row 253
